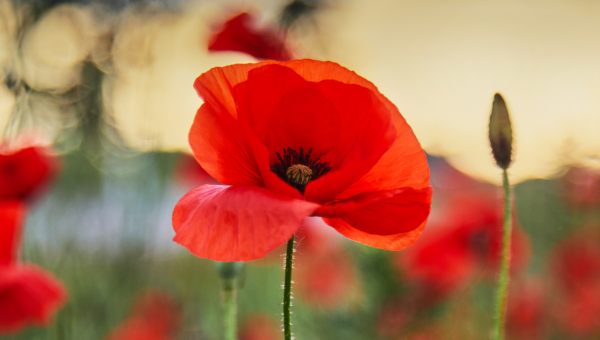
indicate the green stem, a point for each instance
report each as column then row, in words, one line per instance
column 287, row 290
column 503, row 281
column 229, row 271
column 229, row 309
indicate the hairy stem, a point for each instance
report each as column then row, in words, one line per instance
column 503, row 280
column 287, row 290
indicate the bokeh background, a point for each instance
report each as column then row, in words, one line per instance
column 108, row 84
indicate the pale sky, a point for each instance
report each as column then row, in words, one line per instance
column 439, row 61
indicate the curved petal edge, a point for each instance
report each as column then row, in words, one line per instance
column 386, row 212
column 236, row 223
column 389, row 242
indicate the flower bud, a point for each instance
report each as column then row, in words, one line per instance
column 229, row 270
column 500, row 133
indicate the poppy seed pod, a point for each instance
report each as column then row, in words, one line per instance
column 229, row 270
column 500, row 133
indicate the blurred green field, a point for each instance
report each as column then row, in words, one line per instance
column 108, row 240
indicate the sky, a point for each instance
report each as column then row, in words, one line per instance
column 440, row 62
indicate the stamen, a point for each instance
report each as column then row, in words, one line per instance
column 297, row 169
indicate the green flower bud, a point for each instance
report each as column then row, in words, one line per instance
column 229, row 270
column 501, row 133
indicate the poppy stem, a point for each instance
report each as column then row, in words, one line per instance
column 500, row 313
column 228, row 271
column 229, row 309
column 287, row 290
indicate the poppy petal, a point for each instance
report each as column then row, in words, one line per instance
column 24, row 171
column 285, row 111
column 216, row 85
column 356, row 202
column 219, row 147
column 261, row 155
column 12, row 216
column 328, row 187
column 236, row 223
column 403, row 211
column 31, row 294
column 404, row 164
column 367, row 133
column 390, row 242
column 367, row 128
column 239, row 35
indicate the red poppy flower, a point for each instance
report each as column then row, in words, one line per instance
column 439, row 266
column 467, row 237
column 155, row 316
column 295, row 139
column 28, row 294
column 260, row 327
column 576, row 264
column 240, row 34
column 577, row 313
column 23, row 170
column 582, row 187
column 12, row 218
column 526, row 310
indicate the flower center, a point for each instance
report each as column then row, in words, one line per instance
column 297, row 169
column 299, row 174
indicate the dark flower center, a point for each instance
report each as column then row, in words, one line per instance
column 480, row 240
column 297, row 169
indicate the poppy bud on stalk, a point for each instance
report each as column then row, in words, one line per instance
column 229, row 270
column 500, row 132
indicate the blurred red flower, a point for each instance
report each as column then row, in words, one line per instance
column 429, row 334
column 576, row 267
column 23, row 170
column 450, row 183
column 241, row 34
column 326, row 281
column 526, row 310
column 28, row 294
column 582, row 187
column 190, row 174
column 295, row 139
column 576, row 262
column 466, row 238
column 393, row 319
column 325, row 275
column 259, row 327
column 12, row 218
column 155, row 316
column 577, row 313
